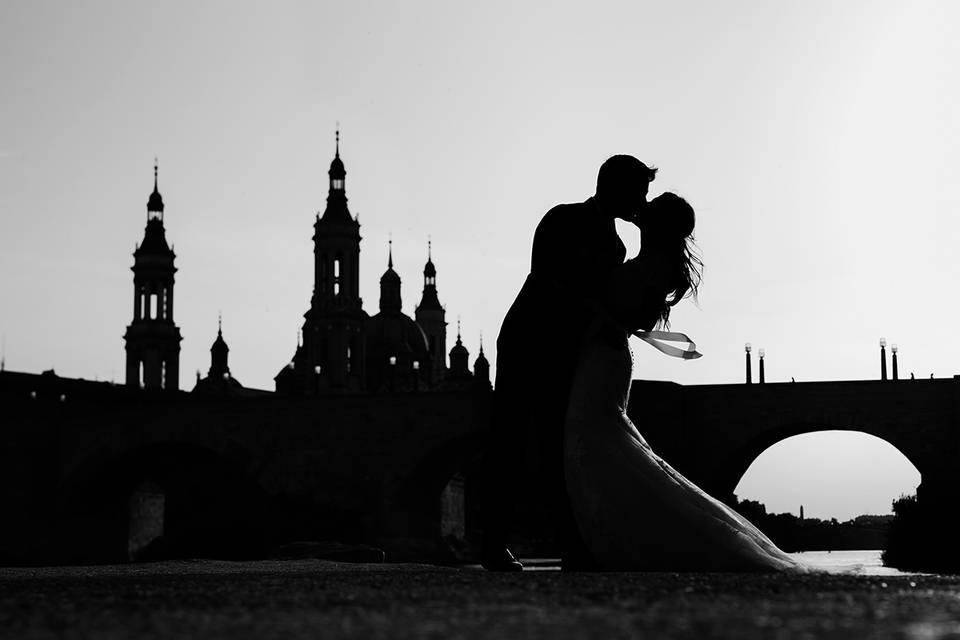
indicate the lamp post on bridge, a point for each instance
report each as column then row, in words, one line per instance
column 761, row 354
column 893, row 350
column 746, row 349
column 883, row 358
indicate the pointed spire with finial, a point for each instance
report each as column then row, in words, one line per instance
column 390, row 285
column 336, row 210
column 459, row 358
column 219, row 352
column 155, row 203
column 429, row 301
column 481, row 367
column 429, row 269
column 3, row 353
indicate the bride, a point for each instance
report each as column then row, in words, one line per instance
column 634, row 511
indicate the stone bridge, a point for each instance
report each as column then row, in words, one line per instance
column 234, row 476
column 712, row 433
column 86, row 469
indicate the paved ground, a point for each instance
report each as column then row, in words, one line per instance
column 317, row 599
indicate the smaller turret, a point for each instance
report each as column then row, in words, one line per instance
column 219, row 353
column 218, row 380
column 481, row 368
column 390, row 301
column 459, row 360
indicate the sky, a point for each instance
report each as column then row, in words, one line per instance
column 815, row 140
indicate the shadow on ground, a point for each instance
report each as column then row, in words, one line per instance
column 312, row 598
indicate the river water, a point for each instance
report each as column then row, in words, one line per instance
column 860, row 562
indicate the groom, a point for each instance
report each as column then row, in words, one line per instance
column 575, row 247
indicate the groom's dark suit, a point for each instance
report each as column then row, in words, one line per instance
column 575, row 247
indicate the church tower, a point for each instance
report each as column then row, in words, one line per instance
column 430, row 315
column 219, row 380
column 333, row 344
column 459, row 361
column 219, row 354
column 481, row 368
column 152, row 339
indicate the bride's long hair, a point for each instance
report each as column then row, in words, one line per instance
column 669, row 231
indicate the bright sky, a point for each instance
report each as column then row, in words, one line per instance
column 816, row 140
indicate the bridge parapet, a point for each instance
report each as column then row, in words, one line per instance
column 712, row 433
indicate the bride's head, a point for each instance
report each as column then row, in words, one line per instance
column 668, row 230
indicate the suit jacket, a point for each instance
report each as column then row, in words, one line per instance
column 575, row 248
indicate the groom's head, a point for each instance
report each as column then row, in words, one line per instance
column 622, row 185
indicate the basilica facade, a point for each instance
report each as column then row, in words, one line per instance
column 343, row 349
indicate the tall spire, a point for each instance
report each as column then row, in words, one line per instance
column 390, row 253
column 152, row 338
column 336, row 210
column 429, row 249
column 219, row 324
column 3, row 352
column 481, row 343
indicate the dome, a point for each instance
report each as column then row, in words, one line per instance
column 219, row 345
column 337, row 170
column 390, row 277
column 481, row 360
column 395, row 334
column 392, row 334
column 155, row 203
column 429, row 270
column 459, row 349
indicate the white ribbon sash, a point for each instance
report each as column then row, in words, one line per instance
column 658, row 340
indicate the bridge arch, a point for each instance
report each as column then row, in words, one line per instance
column 438, row 491
column 164, row 499
column 738, row 459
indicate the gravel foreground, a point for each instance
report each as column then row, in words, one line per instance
column 319, row 599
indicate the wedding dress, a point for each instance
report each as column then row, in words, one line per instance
column 634, row 511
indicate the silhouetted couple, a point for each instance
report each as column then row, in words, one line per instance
column 561, row 439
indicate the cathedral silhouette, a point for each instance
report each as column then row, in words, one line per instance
column 101, row 472
column 343, row 349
